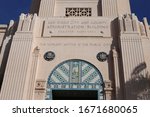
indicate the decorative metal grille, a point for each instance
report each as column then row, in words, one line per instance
column 78, row 12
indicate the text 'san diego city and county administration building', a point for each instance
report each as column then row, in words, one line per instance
column 75, row 49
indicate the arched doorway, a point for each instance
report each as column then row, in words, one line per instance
column 75, row 79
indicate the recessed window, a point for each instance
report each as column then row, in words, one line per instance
column 78, row 12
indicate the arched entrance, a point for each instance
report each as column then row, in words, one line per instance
column 75, row 79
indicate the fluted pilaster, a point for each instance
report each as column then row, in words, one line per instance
column 116, row 73
column 47, row 8
column 30, row 81
column 109, row 8
column 17, row 67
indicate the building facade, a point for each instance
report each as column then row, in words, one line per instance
column 75, row 49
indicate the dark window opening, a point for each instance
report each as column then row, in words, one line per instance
column 75, row 94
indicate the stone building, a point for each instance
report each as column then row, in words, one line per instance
column 75, row 49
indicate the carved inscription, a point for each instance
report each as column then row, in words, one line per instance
column 77, row 27
column 76, row 44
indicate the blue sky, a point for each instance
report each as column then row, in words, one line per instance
column 11, row 9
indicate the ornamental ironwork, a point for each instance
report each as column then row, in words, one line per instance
column 74, row 12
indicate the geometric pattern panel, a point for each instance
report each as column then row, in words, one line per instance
column 75, row 71
column 75, row 74
column 78, row 12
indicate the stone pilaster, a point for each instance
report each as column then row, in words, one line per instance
column 108, row 90
column 114, row 8
column 17, row 65
column 131, row 50
column 116, row 74
column 47, row 8
column 123, row 7
column 109, row 8
column 40, row 90
column 19, row 60
column 30, row 81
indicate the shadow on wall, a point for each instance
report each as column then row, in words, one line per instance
column 99, row 7
column 138, row 87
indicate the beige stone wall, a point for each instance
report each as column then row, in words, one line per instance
column 47, row 8
column 18, row 65
column 26, row 64
column 61, row 6
column 146, row 48
column 66, row 48
column 69, row 47
column 106, row 8
column 123, row 7
column 134, row 46
column 82, row 38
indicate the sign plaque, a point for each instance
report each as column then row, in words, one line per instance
column 77, row 27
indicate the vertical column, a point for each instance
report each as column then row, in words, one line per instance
column 114, row 8
column 18, row 64
column 108, row 90
column 47, row 8
column 109, row 8
column 40, row 90
column 116, row 73
column 132, row 54
column 17, row 67
column 30, row 81
column 123, row 7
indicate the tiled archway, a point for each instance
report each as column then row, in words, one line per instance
column 75, row 75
